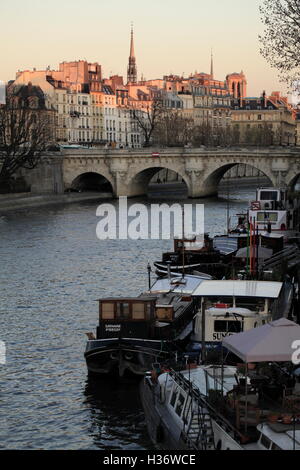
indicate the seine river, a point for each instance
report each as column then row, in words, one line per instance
column 53, row 268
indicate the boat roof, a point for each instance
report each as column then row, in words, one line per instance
column 141, row 298
column 284, row 440
column 224, row 288
column 165, row 285
column 233, row 311
column 202, row 381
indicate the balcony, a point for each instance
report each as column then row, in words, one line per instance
column 74, row 114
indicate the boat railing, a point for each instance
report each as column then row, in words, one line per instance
column 203, row 402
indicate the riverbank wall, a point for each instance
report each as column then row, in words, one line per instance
column 21, row 201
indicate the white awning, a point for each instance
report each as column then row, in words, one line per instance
column 264, row 289
column 271, row 342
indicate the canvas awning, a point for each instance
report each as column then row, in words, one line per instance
column 271, row 342
column 261, row 289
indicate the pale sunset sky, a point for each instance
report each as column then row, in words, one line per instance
column 171, row 36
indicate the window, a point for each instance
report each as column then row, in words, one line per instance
column 122, row 310
column 228, row 326
column 179, row 404
column 267, row 216
column 269, row 196
column 107, row 310
column 265, row 441
column 138, row 311
column 174, row 397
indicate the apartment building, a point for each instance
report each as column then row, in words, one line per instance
column 267, row 120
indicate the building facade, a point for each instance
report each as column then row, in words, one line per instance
column 265, row 120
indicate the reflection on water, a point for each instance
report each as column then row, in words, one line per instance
column 52, row 269
column 117, row 420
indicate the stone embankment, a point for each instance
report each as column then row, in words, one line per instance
column 19, row 201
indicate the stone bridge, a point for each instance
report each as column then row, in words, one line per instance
column 130, row 171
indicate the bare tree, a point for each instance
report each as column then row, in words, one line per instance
column 208, row 135
column 147, row 120
column 25, row 131
column 261, row 134
column 173, row 129
column 281, row 38
column 202, row 135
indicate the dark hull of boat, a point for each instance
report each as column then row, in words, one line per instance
column 123, row 356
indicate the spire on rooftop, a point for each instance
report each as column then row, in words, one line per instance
column 131, row 43
column 131, row 70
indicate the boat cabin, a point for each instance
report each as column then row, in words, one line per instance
column 272, row 210
column 231, row 307
column 126, row 317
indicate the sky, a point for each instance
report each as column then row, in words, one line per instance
column 171, row 36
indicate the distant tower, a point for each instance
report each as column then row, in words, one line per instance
column 212, row 66
column 131, row 70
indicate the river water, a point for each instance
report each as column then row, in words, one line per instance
column 53, row 268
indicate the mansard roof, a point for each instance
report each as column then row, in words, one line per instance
column 107, row 90
column 26, row 93
column 255, row 104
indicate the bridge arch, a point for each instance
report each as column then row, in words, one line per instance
column 91, row 181
column 140, row 179
column 207, row 183
column 294, row 182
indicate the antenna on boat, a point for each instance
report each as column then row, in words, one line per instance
column 228, row 205
column 183, row 247
column 149, row 275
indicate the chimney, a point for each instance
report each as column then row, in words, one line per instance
column 264, row 99
column 241, row 94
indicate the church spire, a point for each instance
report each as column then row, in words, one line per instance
column 131, row 43
column 212, row 65
column 131, row 70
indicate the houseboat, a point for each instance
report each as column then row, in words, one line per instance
column 190, row 256
column 255, row 406
column 275, row 210
column 133, row 333
column 228, row 307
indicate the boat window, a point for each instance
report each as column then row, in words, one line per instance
column 180, row 403
column 265, row 441
column 164, row 313
column 225, row 326
column 138, row 311
column 265, row 216
column 275, row 447
column 148, row 311
column 174, row 397
column 123, row 310
column 269, row 196
column 107, row 311
column 187, row 411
